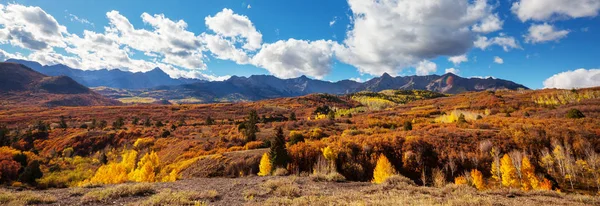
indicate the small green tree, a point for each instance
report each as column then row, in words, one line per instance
column 331, row 115
column 63, row 123
column 461, row 118
column 159, row 124
column 31, row 173
column 293, row 116
column 407, row 126
column 249, row 128
column 575, row 114
column 4, row 138
column 278, row 152
column 147, row 123
column 209, row 121
column 135, row 121
column 119, row 123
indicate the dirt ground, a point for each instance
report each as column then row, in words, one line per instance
column 294, row 190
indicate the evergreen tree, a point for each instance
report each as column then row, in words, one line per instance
column 119, row 123
column 135, row 121
column 147, row 123
column 293, row 116
column 63, row 123
column 249, row 127
column 407, row 126
column 278, row 152
column 331, row 115
column 4, row 138
column 31, row 173
column 209, row 121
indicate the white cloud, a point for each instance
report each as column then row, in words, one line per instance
column 390, row 35
column 332, row 22
column 228, row 24
column 452, row 70
column 580, row 78
column 506, row 42
column 225, row 49
column 249, row 7
column 425, row 68
column 30, row 27
column 80, row 20
column 498, row 60
column 491, row 23
column 458, row 59
column 293, row 58
column 541, row 10
column 539, row 33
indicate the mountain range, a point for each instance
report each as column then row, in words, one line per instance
column 114, row 78
column 156, row 85
column 258, row 87
column 21, row 86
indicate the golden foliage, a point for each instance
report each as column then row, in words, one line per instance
column 530, row 181
column 383, row 170
column 265, row 165
column 115, row 172
column 477, row 179
column 509, row 172
column 147, row 168
column 460, row 181
column 329, row 154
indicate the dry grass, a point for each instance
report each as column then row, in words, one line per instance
column 282, row 187
column 128, row 190
column 169, row 197
column 25, row 198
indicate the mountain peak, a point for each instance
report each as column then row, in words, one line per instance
column 386, row 75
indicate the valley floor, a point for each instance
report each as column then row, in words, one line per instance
column 291, row 190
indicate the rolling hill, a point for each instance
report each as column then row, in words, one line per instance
column 20, row 85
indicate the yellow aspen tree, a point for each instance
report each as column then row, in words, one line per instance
column 460, row 181
column 383, row 170
column 496, row 174
column 265, row 165
column 116, row 172
column 509, row 172
column 146, row 170
column 545, row 185
column 530, row 181
column 477, row 179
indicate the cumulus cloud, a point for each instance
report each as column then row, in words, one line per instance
column 293, row 58
column 506, row 42
column 458, row 59
column 491, row 23
column 580, row 78
column 452, row 70
column 228, row 24
column 225, row 49
column 30, row 28
column 539, row 33
column 541, row 10
column 425, row 68
column 408, row 32
column 357, row 79
column 498, row 60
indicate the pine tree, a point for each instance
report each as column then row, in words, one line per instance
column 249, row 127
column 509, row 172
column 293, row 116
column 31, row 173
column 63, row 123
column 383, row 170
column 265, row 165
column 278, row 152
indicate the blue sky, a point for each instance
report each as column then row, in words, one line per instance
column 312, row 37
